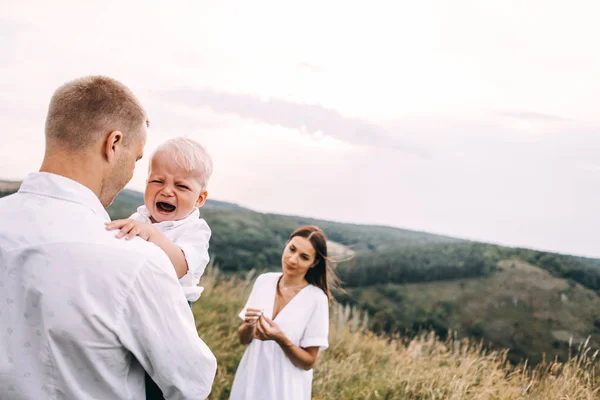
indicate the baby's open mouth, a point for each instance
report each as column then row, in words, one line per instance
column 165, row 207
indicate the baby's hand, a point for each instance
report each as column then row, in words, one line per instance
column 130, row 228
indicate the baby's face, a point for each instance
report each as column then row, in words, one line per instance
column 171, row 193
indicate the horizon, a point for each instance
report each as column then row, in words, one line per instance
column 449, row 235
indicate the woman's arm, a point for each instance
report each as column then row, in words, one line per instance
column 300, row 357
column 303, row 358
column 246, row 333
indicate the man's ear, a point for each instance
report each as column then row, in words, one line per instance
column 113, row 141
column 201, row 199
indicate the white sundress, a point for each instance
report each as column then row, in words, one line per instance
column 265, row 372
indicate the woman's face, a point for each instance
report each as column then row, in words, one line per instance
column 298, row 257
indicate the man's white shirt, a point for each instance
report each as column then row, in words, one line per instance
column 83, row 314
column 191, row 235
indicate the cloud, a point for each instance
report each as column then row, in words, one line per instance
column 311, row 118
column 9, row 28
column 588, row 166
column 10, row 32
column 310, row 67
column 531, row 115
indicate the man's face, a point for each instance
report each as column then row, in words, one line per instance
column 123, row 167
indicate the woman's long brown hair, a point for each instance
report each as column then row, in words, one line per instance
column 322, row 274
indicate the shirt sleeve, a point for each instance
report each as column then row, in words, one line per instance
column 316, row 332
column 252, row 299
column 194, row 244
column 157, row 326
column 136, row 216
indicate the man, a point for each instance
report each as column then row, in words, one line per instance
column 82, row 313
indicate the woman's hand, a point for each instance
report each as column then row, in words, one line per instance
column 266, row 329
column 252, row 316
column 247, row 330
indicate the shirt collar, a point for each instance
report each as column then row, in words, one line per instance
column 60, row 187
column 143, row 211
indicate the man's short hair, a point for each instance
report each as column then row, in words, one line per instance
column 190, row 155
column 83, row 110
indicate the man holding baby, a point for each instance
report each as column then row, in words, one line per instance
column 85, row 315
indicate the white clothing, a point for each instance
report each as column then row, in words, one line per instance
column 265, row 372
column 191, row 235
column 82, row 313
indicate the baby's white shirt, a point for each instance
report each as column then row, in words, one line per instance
column 191, row 235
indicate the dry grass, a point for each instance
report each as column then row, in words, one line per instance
column 360, row 365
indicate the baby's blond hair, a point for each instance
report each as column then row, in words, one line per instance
column 190, row 155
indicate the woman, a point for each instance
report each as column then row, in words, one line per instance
column 286, row 322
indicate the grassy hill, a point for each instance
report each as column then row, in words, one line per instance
column 520, row 307
column 361, row 365
column 529, row 301
column 8, row 187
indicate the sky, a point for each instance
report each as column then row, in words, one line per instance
column 466, row 118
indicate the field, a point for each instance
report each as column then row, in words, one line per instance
column 362, row 365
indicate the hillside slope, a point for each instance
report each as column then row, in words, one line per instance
column 520, row 307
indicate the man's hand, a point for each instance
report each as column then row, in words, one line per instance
column 131, row 228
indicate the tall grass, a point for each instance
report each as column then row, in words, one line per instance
column 361, row 365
